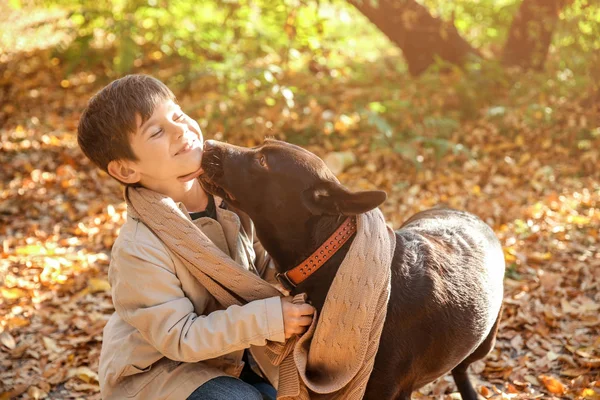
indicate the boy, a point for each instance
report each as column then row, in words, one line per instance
column 169, row 338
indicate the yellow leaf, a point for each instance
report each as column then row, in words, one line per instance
column 524, row 158
column 588, row 393
column 98, row 285
column 519, row 141
column 12, row 293
column 29, row 250
column 547, row 143
column 578, row 219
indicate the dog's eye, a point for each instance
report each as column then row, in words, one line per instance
column 262, row 161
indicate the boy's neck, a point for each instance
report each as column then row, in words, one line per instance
column 195, row 199
column 191, row 194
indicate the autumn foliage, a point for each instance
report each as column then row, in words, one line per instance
column 519, row 149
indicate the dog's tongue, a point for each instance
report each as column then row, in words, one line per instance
column 191, row 176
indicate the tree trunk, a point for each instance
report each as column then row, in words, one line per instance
column 419, row 35
column 531, row 33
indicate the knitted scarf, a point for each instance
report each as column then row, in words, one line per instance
column 334, row 358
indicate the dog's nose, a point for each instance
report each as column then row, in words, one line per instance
column 209, row 145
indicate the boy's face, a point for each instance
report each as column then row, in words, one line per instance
column 169, row 150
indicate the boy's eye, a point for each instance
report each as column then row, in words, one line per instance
column 158, row 132
column 177, row 118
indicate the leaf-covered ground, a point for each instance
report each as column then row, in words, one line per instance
column 530, row 171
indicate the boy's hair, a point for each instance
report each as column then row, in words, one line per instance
column 109, row 119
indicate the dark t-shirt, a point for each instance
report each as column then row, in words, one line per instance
column 211, row 210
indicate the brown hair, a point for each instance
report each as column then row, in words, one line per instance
column 109, row 118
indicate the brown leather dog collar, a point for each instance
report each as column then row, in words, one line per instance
column 293, row 277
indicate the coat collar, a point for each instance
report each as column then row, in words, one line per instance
column 228, row 223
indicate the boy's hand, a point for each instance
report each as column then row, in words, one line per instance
column 296, row 317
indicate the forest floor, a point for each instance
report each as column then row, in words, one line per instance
column 528, row 167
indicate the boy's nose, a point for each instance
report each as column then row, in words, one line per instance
column 179, row 130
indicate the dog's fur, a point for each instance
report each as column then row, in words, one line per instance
column 447, row 269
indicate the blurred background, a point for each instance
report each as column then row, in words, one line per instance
column 491, row 106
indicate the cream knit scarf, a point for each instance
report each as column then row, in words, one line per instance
column 334, row 358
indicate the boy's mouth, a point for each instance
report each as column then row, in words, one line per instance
column 185, row 149
column 190, row 145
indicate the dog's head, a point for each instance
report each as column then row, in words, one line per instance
column 288, row 192
column 280, row 182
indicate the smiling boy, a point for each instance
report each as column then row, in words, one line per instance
column 168, row 337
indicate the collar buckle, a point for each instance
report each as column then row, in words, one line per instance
column 285, row 281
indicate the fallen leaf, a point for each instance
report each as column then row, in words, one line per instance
column 484, row 391
column 50, row 345
column 98, row 285
column 36, row 393
column 83, row 373
column 7, row 340
column 12, row 293
column 553, row 385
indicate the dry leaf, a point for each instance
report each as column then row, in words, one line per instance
column 12, row 293
column 7, row 340
column 83, row 373
column 553, row 385
column 534, row 181
column 50, row 345
column 98, row 285
column 36, row 393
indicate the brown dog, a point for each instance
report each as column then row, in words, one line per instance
column 447, row 269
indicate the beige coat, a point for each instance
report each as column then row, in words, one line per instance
column 168, row 335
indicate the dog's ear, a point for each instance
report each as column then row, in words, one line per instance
column 334, row 199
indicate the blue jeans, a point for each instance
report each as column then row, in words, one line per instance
column 250, row 386
column 230, row 388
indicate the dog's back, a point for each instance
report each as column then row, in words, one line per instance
column 465, row 253
column 446, row 289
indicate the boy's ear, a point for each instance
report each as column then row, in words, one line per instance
column 123, row 171
column 334, row 199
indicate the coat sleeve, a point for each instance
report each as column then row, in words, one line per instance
column 148, row 295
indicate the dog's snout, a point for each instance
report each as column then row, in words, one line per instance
column 209, row 145
column 211, row 159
